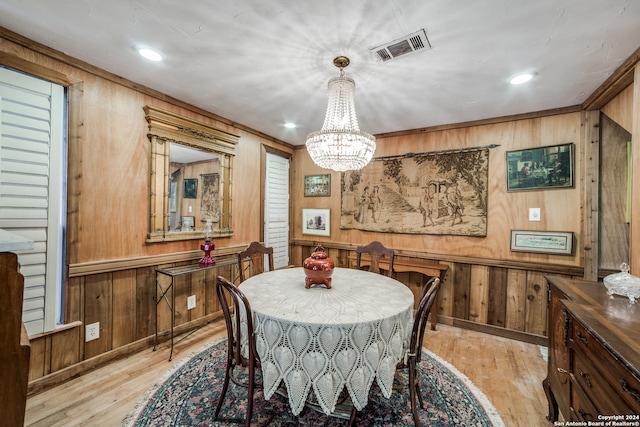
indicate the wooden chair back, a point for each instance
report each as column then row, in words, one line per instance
column 414, row 354
column 15, row 349
column 238, row 320
column 254, row 254
column 429, row 295
column 376, row 251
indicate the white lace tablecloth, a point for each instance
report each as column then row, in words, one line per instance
column 324, row 340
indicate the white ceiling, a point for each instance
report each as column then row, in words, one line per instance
column 262, row 63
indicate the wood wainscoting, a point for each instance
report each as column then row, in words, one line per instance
column 120, row 294
column 498, row 297
column 503, row 298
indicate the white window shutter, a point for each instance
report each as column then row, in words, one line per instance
column 32, row 170
column 276, row 208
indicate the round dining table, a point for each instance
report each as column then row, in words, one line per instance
column 324, row 341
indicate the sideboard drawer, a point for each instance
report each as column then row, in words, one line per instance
column 597, row 388
column 626, row 384
column 615, row 390
column 582, row 408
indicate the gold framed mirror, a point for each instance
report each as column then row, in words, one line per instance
column 190, row 183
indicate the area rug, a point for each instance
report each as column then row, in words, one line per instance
column 188, row 394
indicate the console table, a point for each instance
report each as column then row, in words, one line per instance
column 594, row 352
column 172, row 273
column 405, row 266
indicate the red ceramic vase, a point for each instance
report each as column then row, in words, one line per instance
column 318, row 268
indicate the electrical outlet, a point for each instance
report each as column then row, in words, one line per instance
column 191, row 302
column 92, row 332
column 534, row 214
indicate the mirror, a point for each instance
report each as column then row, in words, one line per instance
column 191, row 165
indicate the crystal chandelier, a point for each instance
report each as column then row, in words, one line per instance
column 341, row 145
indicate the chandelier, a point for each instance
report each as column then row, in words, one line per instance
column 341, row 145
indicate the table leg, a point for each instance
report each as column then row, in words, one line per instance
column 155, row 298
column 173, row 315
column 433, row 316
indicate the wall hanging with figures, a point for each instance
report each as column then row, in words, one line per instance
column 442, row 192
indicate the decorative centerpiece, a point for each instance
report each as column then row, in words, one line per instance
column 623, row 283
column 318, row 268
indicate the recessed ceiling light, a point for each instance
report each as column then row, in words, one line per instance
column 521, row 78
column 150, row 54
column 290, row 125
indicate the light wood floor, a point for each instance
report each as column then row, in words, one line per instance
column 508, row 372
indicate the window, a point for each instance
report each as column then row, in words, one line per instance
column 276, row 208
column 32, row 189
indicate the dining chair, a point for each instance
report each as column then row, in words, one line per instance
column 254, row 253
column 376, row 251
column 414, row 354
column 239, row 322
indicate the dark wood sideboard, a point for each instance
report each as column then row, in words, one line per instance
column 594, row 352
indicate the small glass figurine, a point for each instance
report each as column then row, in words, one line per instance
column 623, row 283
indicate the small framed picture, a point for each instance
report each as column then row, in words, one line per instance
column 317, row 185
column 187, row 223
column 190, row 188
column 316, row 221
column 540, row 168
column 545, row 242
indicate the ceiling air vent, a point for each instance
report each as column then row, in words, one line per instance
column 409, row 44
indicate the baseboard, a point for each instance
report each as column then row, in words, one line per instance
column 63, row 375
column 494, row 330
column 59, row 377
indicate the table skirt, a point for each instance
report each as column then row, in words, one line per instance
column 328, row 358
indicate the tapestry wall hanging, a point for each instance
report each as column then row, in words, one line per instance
column 430, row 193
column 210, row 203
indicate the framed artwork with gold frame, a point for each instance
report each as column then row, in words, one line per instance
column 540, row 168
column 317, row 185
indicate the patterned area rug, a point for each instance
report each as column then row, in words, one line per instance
column 188, row 394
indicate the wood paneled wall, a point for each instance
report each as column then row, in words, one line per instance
column 124, row 302
column 506, row 298
column 561, row 209
column 109, row 153
column 489, row 287
column 111, row 275
column 108, row 211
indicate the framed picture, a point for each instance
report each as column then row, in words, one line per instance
column 316, row 221
column 545, row 242
column 190, row 188
column 540, row 168
column 187, row 222
column 317, row 185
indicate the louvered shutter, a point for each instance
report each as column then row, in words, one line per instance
column 276, row 208
column 32, row 166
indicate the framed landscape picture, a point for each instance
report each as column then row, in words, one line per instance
column 545, row 242
column 540, row 168
column 316, row 221
column 317, row 185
